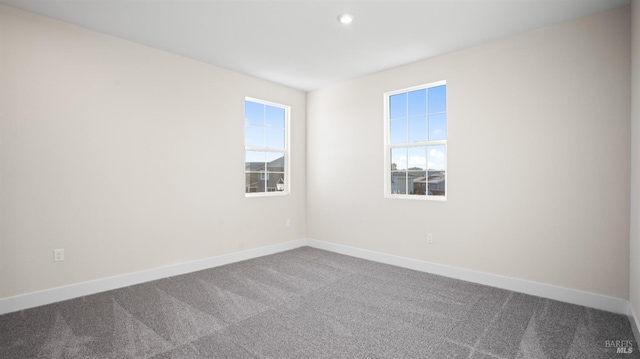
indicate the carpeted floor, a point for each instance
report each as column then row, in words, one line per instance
column 308, row 303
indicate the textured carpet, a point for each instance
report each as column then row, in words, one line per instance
column 308, row 303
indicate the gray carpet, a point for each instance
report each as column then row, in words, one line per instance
column 309, row 303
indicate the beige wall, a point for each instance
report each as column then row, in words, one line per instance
column 538, row 159
column 634, row 295
column 127, row 157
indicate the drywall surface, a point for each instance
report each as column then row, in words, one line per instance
column 127, row 157
column 634, row 295
column 538, row 159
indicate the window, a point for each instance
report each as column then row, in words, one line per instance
column 266, row 144
column 415, row 125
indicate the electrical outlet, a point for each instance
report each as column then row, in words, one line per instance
column 288, row 222
column 429, row 238
column 58, row 255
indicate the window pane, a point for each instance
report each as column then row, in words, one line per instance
column 399, row 182
column 438, row 99
column 254, row 183
column 398, row 106
column 254, row 161
column 254, row 113
column 274, row 116
column 417, row 182
column 273, row 179
column 417, row 158
column 436, row 157
column 274, row 137
column 436, row 183
column 398, row 159
column 398, row 131
column 438, row 127
column 254, row 136
column 417, row 124
column 418, row 129
column 275, row 162
column 417, row 102
column 265, row 146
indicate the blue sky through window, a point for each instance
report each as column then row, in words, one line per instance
column 398, row 106
column 274, row 116
column 265, row 147
column 438, row 99
column 418, row 129
column 438, row 127
column 417, row 102
column 253, row 113
column 264, row 126
column 418, row 116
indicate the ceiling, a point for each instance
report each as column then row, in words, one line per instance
column 300, row 43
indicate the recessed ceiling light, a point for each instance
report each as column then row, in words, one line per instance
column 346, row 19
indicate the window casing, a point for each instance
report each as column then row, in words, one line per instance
column 266, row 144
column 415, row 153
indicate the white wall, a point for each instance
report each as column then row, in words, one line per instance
column 127, row 157
column 538, row 159
column 634, row 295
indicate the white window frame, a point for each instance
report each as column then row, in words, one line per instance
column 388, row 146
column 286, row 151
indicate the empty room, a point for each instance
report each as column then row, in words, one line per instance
column 319, row 179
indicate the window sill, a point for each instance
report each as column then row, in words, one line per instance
column 417, row 197
column 267, row 194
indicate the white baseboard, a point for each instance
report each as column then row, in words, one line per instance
column 592, row 300
column 635, row 325
column 573, row 296
column 35, row 299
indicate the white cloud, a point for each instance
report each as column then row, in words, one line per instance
column 417, row 161
column 436, row 154
column 436, row 158
column 400, row 161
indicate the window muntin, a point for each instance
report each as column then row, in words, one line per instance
column 266, row 148
column 416, row 142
